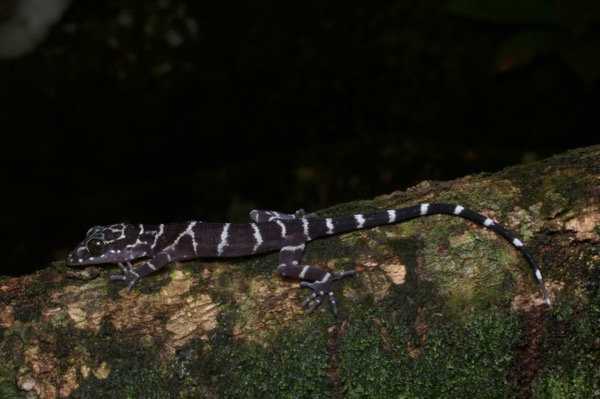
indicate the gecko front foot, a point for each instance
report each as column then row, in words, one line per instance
column 129, row 274
column 322, row 288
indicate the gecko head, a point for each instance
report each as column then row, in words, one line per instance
column 108, row 244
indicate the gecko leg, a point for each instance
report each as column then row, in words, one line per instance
column 129, row 274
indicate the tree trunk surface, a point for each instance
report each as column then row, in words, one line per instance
column 439, row 308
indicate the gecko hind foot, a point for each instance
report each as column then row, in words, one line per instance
column 322, row 289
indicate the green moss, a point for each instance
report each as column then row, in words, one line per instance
column 572, row 364
column 126, row 380
column 129, row 371
column 8, row 388
column 292, row 365
column 382, row 358
column 550, row 182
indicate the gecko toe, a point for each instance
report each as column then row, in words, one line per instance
column 343, row 274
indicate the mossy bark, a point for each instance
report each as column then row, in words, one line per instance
column 439, row 308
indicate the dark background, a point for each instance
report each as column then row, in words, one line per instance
column 171, row 110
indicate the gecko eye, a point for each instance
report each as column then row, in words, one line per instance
column 96, row 247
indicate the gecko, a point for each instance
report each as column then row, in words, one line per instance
column 159, row 244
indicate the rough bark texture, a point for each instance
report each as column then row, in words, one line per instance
column 440, row 308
